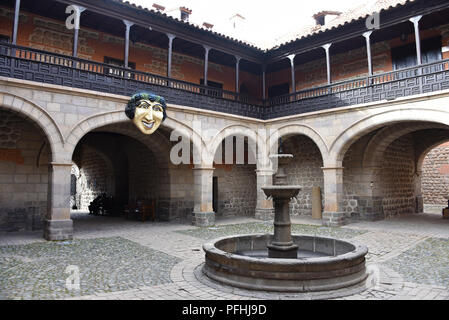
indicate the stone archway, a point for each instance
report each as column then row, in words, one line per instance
column 380, row 163
column 103, row 119
column 234, row 154
column 334, row 170
column 368, row 124
column 25, row 155
column 37, row 115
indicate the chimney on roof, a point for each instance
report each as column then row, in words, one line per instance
column 158, row 7
column 208, row 25
column 324, row 17
column 237, row 22
column 185, row 13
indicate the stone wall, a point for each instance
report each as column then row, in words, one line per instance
column 397, row 179
column 178, row 195
column 354, row 203
column 236, row 190
column 96, row 176
column 304, row 170
column 435, row 176
column 143, row 172
column 137, row 177
column 391, row 190
column 24, row 156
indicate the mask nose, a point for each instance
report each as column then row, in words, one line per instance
column 149, row 114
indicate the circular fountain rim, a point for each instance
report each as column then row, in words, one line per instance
column 359, row 251
column 327, row 275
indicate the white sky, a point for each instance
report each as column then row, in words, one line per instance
column 265, row 19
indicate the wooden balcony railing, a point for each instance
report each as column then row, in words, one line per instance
column 41, row 66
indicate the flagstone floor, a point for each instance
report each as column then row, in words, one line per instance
column 122, row 259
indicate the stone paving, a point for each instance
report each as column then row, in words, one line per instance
column 119, row 259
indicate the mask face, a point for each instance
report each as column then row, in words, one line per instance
column 148, row 116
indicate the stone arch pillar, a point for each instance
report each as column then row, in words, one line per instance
column 57, row 223
column 264, row 206
column 333, row 214
column 203, row 213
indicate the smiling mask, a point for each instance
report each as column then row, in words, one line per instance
column 147, row 111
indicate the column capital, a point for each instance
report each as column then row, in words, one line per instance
column 78, row 8
column 326, row 46
column 367, row 34
column 203, row 167
column 170, row 36
column 265, row 172
column 61, row 164
column 292, row 58
column 237, row 59
column 128, row 24
column 332, row 168
column 416, row 19
column 207, row 48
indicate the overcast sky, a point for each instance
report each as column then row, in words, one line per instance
column 265, row 19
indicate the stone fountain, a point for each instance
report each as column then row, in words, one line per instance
column 282, row 262
column 282, row 245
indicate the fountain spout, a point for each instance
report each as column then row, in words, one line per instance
column 282, row 245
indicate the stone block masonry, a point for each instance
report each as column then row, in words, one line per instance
column 435, row 176
column 95, row 177
column 236, row 190
column 304, row 170
column 23, row 174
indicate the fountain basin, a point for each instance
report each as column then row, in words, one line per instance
column 281, row 192
column 323, row 264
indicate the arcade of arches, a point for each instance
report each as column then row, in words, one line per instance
column 386, row 167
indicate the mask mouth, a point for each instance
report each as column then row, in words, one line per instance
column 148, row 125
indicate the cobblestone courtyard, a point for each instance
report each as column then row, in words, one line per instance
column 122, row 259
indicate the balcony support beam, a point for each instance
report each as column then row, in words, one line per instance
column 292, row 67
column 415, row 21
column 78, row 11
column 264, row 83
column 237, row 69
column 326, row 47
column 171, row 37
column 367, row 36
column 128, row 26
column 16, row 22
column 206, row 63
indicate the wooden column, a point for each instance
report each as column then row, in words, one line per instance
column 264, row 84
column 78, row 11
column 128, row 26
column 292, row 67
column 367, row 36
column 206, row 63
column 16, row 22
column 171, row 37
column 237, row 68
column 415, row 21
column 326, row 47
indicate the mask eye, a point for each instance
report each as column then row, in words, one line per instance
column 144, row 105
column 157, row 108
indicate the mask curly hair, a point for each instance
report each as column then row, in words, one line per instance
column 130, row 110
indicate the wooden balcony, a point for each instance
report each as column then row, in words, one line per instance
column 35, row 65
